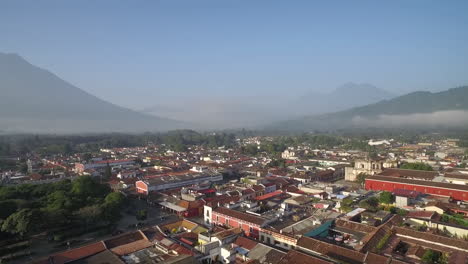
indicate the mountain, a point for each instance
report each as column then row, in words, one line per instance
column 35, row 100
column 343, row 97
column 222, row 112
column 257, row 110
column 414, row 110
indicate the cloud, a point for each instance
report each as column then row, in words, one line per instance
column 455, row 118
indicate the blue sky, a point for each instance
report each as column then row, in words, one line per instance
column 139, row 53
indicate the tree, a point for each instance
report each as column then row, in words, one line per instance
column 115, row 199
column 87, row 157
column 8, row 207
column 361, row 178
column 281, row 163
column 85, row 186
column 141, row 215
column 108, row 172
column 370, row 204
column 23, row 222
column 431, row 257
column 139, row 161
column 416, row 166
column 112, row 206
column 67, row 148
column 179, row 147
column 24, row 167
column 386, row 197
column 90, row 214
column 59, row 200
column 53, row 217
column 345, row 204
column 401, row 212
column 9, row 192
column 250, row 150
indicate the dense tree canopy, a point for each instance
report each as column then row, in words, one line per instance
column 370, row 204
column 27, row 208
column 251, row 149
column 417, row 166
column 47, row 144
column 386, row 197
column 22, row 222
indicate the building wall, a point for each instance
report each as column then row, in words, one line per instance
column 269, row 189
column 207, row 214
column 377, row 185
column 276, row 239
column 192, row 212
column 434, row 209
column 80, row 167
column 369, row 167
column 460, row 232
column 249, row 229
column 401, row 201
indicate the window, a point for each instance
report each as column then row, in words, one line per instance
column 207, row 213
column 251, row 229
column 217, row 218
column 227, row 222
column 262, row 238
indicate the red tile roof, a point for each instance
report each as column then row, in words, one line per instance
column 128, row 243
column 258, row 188
column 78, row 253
column 124, row 239
column 421, row 214
column 354, row 226
column 268, row 195
column 402, row 173
column 245, row 243
column 181, row 250
column 296, row 257
column 330, row 250
column 248, row 191
column 114, row 161
column 131, row 247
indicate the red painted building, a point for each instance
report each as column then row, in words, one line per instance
column 250, row 224
column 388, row 183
